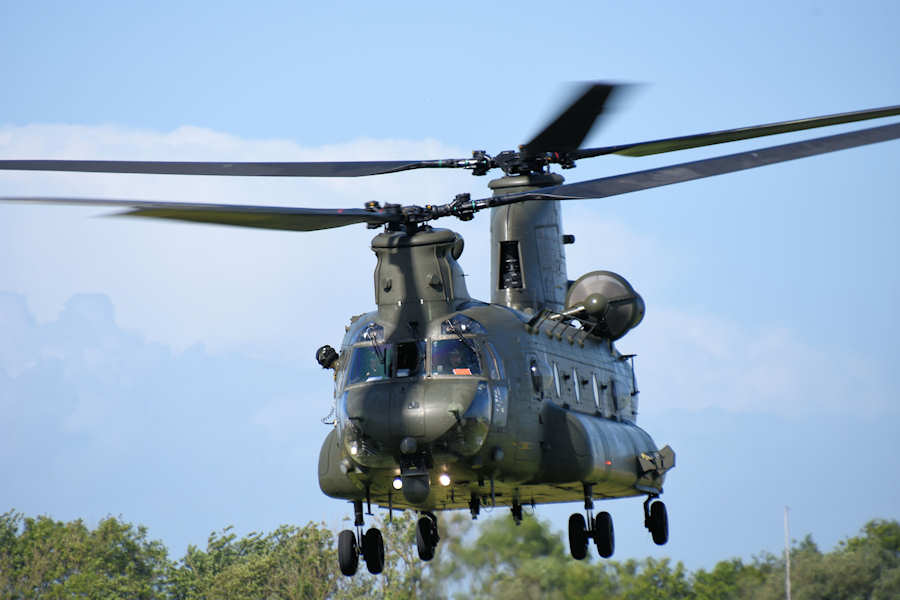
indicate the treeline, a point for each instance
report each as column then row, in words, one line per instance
column 43, row 558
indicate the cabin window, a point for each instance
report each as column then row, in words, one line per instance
column 577, row 385
column 454, row 357
column 537, row 380
column 595, row 387
column 368, row 363
column 556, row 380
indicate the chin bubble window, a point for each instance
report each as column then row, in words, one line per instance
column 454, row 357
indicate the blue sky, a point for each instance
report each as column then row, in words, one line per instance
column 180, row 391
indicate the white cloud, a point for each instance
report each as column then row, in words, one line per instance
column 692, row 362
column 182, row 283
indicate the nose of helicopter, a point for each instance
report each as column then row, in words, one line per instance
column 388, row 419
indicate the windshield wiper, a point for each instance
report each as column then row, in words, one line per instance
column 372, row 334
column 469, row 344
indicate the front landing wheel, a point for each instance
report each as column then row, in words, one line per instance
column 348, row 552
column 373, row 551
column 426, row 538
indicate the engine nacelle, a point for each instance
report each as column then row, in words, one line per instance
column 607, row 299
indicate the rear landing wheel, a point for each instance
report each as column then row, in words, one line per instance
column 604, row 536
column 348, row 553
column 659, row 523
column 578, row 538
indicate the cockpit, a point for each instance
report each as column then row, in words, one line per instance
column 376, row 362
column 454, row 357
column 372, row 360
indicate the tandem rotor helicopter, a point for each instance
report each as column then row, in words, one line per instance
column 442, row 401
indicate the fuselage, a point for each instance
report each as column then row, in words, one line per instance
column 496, row 399
column 444, row 401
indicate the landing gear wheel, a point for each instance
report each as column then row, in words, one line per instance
column 373, row 551
column 426, row 538
column 659, row 523
column 603, row 534
column 348, row 553
column 578, row 538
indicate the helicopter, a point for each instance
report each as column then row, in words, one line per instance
column 445, row 402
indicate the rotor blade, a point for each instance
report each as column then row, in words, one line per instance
column 651, row 178
column 258, row 169
column 733, row 135
column 265, row 217
column 571, row 127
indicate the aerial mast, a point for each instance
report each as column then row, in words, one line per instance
column 787, row 554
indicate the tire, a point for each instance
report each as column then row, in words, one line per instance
column 373, row 551
column 659, row 523
column 604, row 536
column 348, row 554
column 424, row 538
column 578, row 538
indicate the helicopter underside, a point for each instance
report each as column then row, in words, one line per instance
column 456, row 485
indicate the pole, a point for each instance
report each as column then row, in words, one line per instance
column 787, row 554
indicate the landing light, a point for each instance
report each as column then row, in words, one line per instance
column 354, row 449
column 444, row 479
column 397, row 483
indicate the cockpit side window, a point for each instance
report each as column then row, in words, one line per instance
column 453, row 357
column 495, row 365
column 368, row 363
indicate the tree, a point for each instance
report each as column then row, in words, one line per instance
column 289, row 563
column 43, row 558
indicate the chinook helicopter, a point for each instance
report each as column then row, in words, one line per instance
column 445, row 402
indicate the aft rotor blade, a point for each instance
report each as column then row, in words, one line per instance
column 264, row 217
column 570, row 128
column 257, row 169
column 651, row 178
column 733, row 135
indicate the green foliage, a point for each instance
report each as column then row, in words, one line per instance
column 43, row 558
column 290, row 562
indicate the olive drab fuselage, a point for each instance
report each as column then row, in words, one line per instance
column 440, row 398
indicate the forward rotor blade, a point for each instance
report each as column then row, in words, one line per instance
column 570, row 128
column 733, row 135
column 258, row 169
column 264, row 217
column 651, row 178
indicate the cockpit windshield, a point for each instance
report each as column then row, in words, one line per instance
column 377, row 362
column 374, row 362
column 454, row 357
column 368, row 363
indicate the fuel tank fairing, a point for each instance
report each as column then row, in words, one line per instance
column 584, row 447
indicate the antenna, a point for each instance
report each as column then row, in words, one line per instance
column 787, row 553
